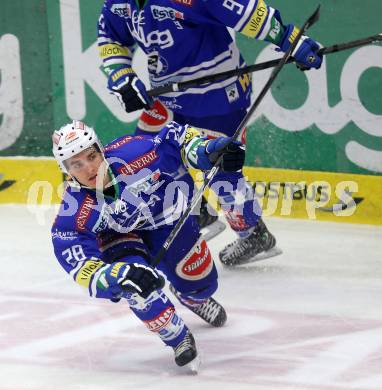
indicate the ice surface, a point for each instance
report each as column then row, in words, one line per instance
column 310, row 318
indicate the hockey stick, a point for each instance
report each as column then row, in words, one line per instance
column 210, row 175
column 178, row 87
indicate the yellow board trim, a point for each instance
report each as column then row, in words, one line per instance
column 35, row 181
column 40, row 182
column 313, row 195
column 317, row 195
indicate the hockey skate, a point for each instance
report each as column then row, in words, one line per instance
column 186, row 353
column 260, row 245
column 209, row 224
column 210, row 311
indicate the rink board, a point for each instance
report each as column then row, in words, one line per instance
column 284, row 193
column 29, row 180
column 318, row 195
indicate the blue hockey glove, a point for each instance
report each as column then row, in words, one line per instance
column 133, row 278
column 129, row 89
column 306, row 51
column 233, row 155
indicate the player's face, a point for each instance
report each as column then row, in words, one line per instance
column 86, row 166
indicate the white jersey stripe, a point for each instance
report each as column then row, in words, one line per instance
column 267, row 27
column 74, row 271
column 117, row 61
column 196, row 68
column 93, row 285
column 248, row 11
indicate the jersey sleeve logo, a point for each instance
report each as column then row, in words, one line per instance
column 256, row 21
column 84, row 212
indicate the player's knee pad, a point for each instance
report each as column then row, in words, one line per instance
column 196, row 272
column 197, row 265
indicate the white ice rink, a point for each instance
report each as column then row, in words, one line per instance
column 310, row 318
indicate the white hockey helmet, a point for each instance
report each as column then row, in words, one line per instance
column 72, row 139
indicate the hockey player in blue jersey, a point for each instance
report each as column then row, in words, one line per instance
column 186, row 39
column 122, row 202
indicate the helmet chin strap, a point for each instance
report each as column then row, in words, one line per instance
column 75, row 183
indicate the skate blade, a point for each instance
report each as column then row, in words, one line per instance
column 212, row 230
column 275, row 251
column 193, row 366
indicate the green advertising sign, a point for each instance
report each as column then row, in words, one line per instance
column 25, row 82
column 329, row 120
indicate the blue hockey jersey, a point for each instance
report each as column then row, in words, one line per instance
column 91, row 227
column 186, row 39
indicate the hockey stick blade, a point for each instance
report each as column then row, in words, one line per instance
column 211, row 231
column 351, row 45
column 214, row 170
column 184, row 85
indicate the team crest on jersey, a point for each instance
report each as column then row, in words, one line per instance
column 197, row 264
column 155, row 38
column 157, row 64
